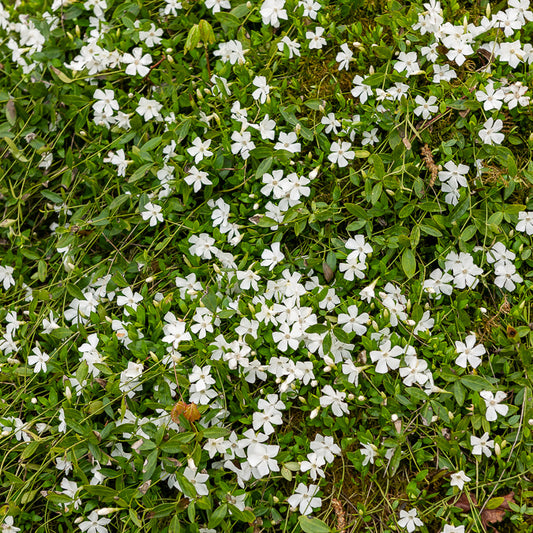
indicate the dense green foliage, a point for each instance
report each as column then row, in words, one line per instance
column 266, row 266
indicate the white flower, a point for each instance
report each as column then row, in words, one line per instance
column 386, row 357
column 261, row 457
column 369, row 452
column 353, row 321
column 490, row 97
column 525, row 223
column 370, row 137
column 459, row 479
column 408, row 62
column 94, row 524
column 7, row 525
column 137, row 62
column 492, row 403
column 153, row 213
column 38, row 360
column 151, row 37
column 506, row 275
column 197, row 178
column 263, row 89
column 335, row 398
column 217, row 5
column 489, row 134
column 199, row 149
column 468, row 352
column 425, row 108
column 409, row 520
column 341, row 153
column 129, row 298
column 272, row 11
column 149, row 108
column 292, row 46
column 453, row 529
column 6, row 276
column 272, row 257
column 316, row 41
column 305, row 498
column 344, row 57
column 481, row 445
column 105, row 101
column 287, row 141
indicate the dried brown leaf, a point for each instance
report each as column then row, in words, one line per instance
column 490, row 516
column 328, row 272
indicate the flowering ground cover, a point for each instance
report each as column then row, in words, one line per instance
column 266, row 266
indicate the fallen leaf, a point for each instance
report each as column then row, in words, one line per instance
column 488, row 516
column 328, row 272
column 189, row 411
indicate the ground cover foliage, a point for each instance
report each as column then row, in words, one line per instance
column 266, row 266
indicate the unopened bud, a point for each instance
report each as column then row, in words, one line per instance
column 314, row 413
column 361, row 398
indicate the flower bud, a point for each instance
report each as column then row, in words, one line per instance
column 314, row 413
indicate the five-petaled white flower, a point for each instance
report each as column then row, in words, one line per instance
column 341, row 153
column 458, row 479
column 481, row 445
column 305, row 499
column 38, row 360
column 137, row 62
column 153, row 213
column 490, row 133
column 409, row 520
column 469, row 352
column 95, row 524
column 200, row 149
column 492, row 403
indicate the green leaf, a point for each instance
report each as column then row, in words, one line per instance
column 468, row 233
column 207, row 36
column 376, row 193
column 17, row 154
column 378, row 166
column 476, row 383
column 317, row 328
column 175, row 443
column 174, row 526
column 30, row 449
column 494, row 503
column 210, row 300
column 409, row 262
column 430, row 230
column 140, row 172
column 63, row 77
column 193, row 38
column 106, row 493
column 215, row 433
column 264, row 167
column 218, row 515
column 459, row 393
column 313, row 525
column 227, row 20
